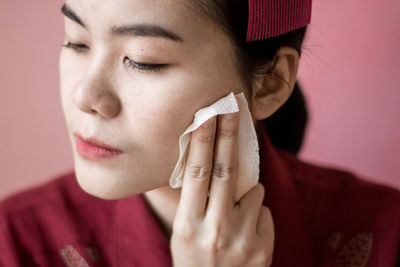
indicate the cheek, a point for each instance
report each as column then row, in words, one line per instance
column 72, row 67
column 160, row 117
column 162, row 106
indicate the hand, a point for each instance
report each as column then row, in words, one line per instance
column 219, row 232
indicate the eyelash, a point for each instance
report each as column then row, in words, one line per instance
column 77, row 47
column 142, row 67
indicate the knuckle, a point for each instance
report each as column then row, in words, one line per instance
column 184, row 230
column 220, row 245
column 226, row 133
column 245, row 248
column 197, row 171
column 222, row 171
column 215, row 243
column 205, row 138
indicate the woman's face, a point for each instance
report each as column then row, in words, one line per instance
column 139, row 110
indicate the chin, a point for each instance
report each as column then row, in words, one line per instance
column 109, row 184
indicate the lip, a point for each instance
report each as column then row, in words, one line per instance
column 93, row 149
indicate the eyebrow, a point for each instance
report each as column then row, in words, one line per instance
column 67, row 11
column 145, row 30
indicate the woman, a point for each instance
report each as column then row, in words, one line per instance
column 133, row 74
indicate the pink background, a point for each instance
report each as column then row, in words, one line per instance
column 349, row 72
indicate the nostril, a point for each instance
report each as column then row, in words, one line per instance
column 107, row 105
column 110, row 108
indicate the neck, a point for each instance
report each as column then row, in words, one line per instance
column 164, row 202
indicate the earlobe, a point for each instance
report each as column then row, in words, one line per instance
column 271, row 91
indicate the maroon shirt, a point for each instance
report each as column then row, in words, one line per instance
column 322, row 217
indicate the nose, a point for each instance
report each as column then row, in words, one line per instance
column 95, row 95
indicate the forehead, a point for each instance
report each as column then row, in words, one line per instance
column 181, row 16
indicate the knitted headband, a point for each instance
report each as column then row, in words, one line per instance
column 269, row 18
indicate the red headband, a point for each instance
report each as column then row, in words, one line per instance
column 269, row 18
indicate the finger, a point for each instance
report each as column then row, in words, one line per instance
column 265, row 225
column 249, row 208
column 198, row 170
column 225, row 165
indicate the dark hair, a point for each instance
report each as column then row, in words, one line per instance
column 285, row 127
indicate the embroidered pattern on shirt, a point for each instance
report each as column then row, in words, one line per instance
column 356, row 253
column 333, row 240
column 72, row 258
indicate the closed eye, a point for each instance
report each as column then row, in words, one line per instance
column 144, row 67
column 76, row 47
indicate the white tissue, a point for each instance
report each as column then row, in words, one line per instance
column 248, row 150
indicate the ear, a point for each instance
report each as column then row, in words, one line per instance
column 271, row 91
